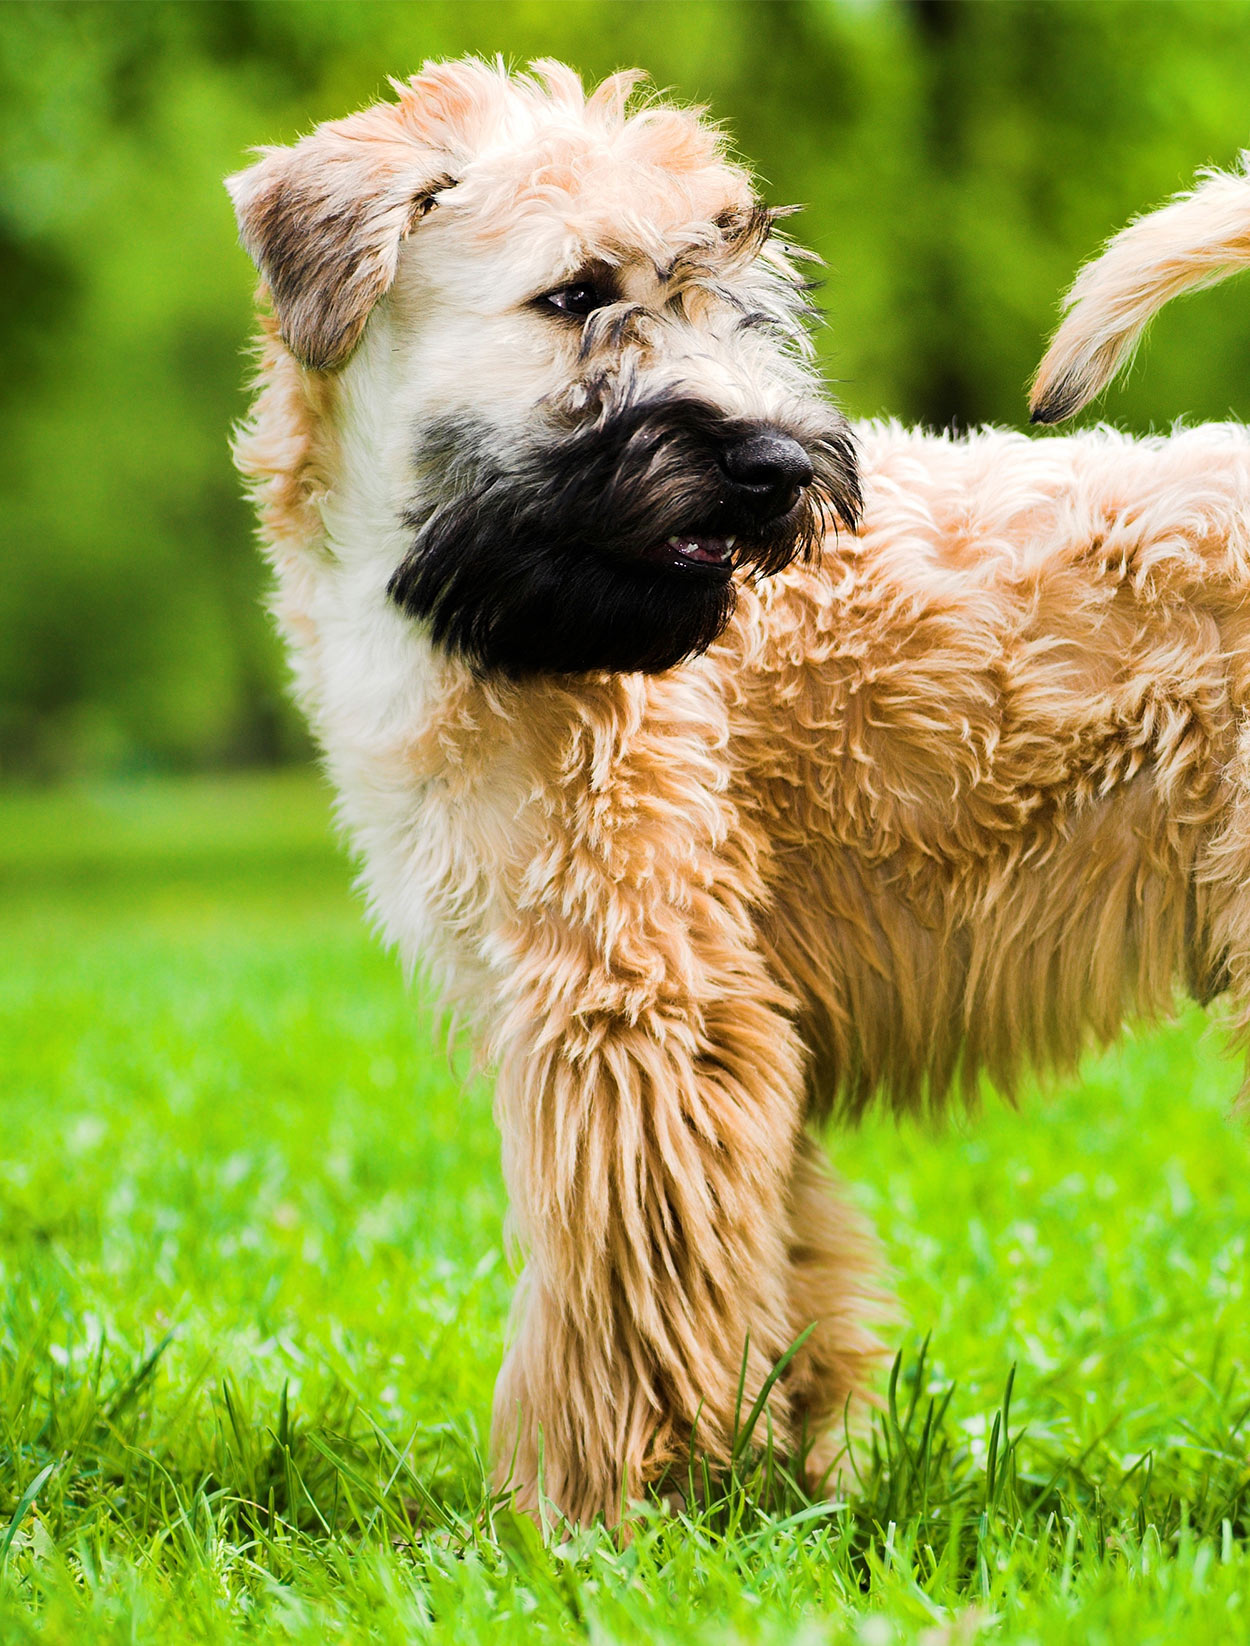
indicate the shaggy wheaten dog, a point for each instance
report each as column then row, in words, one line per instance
column 712, row 800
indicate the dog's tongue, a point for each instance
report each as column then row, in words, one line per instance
column 704, row 551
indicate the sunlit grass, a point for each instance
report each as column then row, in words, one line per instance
column 253, row 1297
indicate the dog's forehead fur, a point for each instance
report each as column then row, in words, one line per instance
column 549, row 183
column 537, row 141
column 570, row 202
column 585, row 178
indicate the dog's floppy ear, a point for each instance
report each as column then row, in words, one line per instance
column 324, row 221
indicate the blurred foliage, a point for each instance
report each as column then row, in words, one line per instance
column 957, row 161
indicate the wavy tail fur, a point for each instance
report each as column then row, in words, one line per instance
column 1196, row 240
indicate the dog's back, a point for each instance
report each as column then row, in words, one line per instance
column 1002, row 770
column 1196, row 240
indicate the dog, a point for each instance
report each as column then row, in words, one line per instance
column 726, row 767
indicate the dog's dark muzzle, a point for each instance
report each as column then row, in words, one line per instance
column 611, row 542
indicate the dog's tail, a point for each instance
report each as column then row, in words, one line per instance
column 1196, row 240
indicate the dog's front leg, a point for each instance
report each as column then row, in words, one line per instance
column 650, row 1117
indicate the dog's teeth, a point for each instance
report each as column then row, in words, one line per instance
column 719, row 547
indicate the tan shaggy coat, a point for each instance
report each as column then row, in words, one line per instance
column 954, row 798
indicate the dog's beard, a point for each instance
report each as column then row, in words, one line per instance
column 559, row 557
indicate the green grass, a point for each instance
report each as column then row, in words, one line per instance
column 253, row 1296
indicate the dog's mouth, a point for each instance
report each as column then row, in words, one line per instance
column 698, row 551
column 715, row 555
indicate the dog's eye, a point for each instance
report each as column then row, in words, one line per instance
column 582, row 297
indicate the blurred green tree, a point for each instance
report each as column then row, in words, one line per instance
column 957, row 161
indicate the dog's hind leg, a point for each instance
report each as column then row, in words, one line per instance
column 835, row 1269
column 1220, row 924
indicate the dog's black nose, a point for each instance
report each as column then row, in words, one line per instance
column 770, row 469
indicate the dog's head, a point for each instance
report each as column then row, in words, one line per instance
column 570, row 360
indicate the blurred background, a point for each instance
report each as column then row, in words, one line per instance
column 956, row 162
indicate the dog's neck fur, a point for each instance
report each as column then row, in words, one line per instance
column 423, row 752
